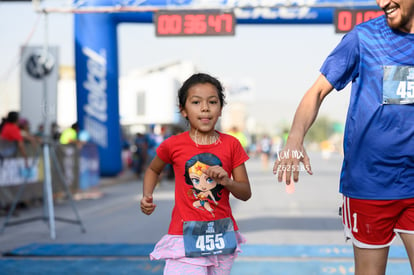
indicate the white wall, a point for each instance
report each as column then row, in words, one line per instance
column 160, row 105
column 160, row 85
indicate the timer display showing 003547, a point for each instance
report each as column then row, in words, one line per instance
column 194, row 23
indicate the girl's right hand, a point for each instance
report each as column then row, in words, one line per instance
column 147, row 205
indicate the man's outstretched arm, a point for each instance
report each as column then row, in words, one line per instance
column 293, row 153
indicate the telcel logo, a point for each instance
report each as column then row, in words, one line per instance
column 97, row 105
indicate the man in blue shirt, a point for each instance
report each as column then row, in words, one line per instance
column 377, row 178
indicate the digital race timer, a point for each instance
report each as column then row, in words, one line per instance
column 194, row 23
column 346, row 19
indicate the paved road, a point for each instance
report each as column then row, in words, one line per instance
column 271, row 216
column 271, row 219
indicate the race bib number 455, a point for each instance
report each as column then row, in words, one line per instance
column 398, row 85
column 209, row 238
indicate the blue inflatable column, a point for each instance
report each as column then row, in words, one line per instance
column 96, row 64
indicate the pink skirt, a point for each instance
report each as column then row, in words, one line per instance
column 172, row 247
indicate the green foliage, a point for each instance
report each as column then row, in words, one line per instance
column 321, row 129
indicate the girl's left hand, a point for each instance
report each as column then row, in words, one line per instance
column 147, row 205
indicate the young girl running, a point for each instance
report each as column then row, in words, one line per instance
column 203, row 236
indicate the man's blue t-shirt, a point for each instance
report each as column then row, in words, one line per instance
column 379, row 133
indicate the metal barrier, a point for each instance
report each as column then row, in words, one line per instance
column 80, row 167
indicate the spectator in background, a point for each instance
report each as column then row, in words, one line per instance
column 153, row 140
column 126, row 150
column 74, row 135
column 70, row 135
column 265, row 150
column 9, row 131
column 55, row 131
column 40, row 131
column 24, row 127
column 235, row 132
column 140, row 154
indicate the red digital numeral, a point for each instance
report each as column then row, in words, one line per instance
column 169, row 24
column 346, row 20
column 217, row 22
column 195, row 24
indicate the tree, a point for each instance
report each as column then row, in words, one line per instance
column 321, row 130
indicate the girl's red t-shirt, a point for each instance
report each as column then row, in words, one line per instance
column 180, row 150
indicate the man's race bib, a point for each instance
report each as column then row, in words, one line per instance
column 398, row 85
column 209, row 238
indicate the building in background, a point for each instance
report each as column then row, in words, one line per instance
column 148, row 98
column 239, row 93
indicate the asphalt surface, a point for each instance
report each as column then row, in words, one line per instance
column 271, row 216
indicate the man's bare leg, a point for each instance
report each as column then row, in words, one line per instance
column 370, row 261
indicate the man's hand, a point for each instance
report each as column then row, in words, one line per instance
column 288, row 162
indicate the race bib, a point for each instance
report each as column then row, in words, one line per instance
column 398, row 85
column 209, row 238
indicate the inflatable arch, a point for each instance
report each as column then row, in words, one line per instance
column 96, row 53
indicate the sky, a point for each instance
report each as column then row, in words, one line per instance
column 282, row 60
